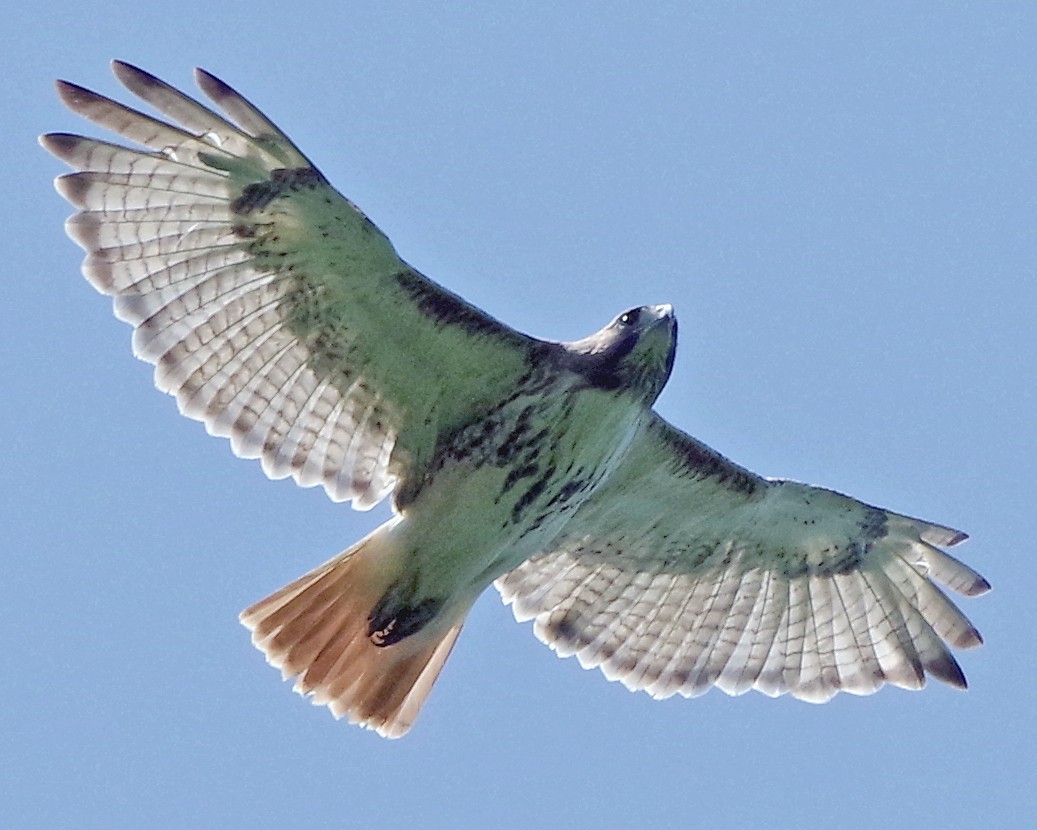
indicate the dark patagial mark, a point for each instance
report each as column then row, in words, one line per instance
column 542, row 372
column 701, row 462
column 447, row 309
column 257, row 196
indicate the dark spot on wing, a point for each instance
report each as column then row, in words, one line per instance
column 874, row 524
column 839, row 560
column 257, row 196
column 565, row 627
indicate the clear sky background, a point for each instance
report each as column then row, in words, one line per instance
column 840, row 200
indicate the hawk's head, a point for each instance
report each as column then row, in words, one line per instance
column 634, row 352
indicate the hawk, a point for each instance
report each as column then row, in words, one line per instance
column 281, row 317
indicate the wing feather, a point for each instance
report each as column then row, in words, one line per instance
column 251, row 135
column 680, row 661
column 698, row 674
column 169, row 141
column 860, row 670
column 772, row 658
column 822, row 682
column 685, row 572
column 732, row 630
column 652, row 644
column 746, row 659
column 273, row 309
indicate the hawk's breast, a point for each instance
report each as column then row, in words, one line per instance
column 503, row 486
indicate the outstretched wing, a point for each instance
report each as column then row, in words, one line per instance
column 685, row 572
column 271, row 307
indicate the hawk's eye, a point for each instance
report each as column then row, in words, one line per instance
column 629, row 318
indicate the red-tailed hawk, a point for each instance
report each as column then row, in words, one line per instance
column 278, row 315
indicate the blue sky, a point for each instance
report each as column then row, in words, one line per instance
column 840, row 200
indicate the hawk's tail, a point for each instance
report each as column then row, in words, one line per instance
column 316, row 629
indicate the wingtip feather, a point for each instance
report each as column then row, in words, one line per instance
column 72, row 187
column 946, row 537
column 134, row 78
column 57, row 144
column 946, row 668
column 76, row 97
column 217, row 90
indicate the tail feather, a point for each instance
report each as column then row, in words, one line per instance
column 389, row 702
column 316, row 629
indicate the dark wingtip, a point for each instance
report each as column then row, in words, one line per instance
column 60, row 144
column 135, row 79
column 53, row 143
column 72, row 94
column 947, row 669
column 212, row 86
column 980, row 586
column 123, row 70
column 73, row 188
column 945, row 537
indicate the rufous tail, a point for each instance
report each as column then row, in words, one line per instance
column 316, row 629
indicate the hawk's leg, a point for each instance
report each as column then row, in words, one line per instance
column 393, row 619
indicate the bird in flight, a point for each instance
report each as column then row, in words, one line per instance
column 282, row 318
